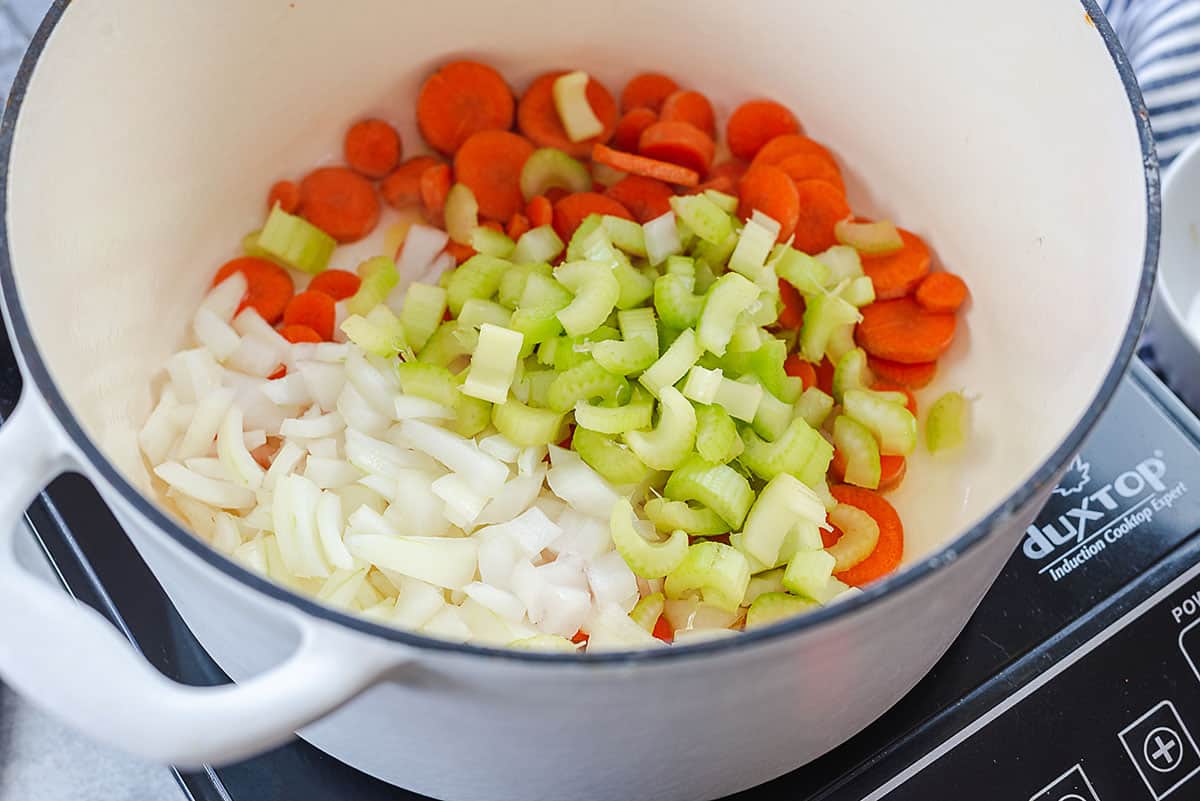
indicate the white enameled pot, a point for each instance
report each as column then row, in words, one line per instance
column 135, row 148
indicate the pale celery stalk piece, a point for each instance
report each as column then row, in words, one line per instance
column 702, row 384
column 648, row 610
column 476, row 311
column 947, row 424
column 822, row 315
column 537, row 245
column 841, row 341
column 843, row 263
column 675, row 299
column 851, row 372
column 891, row 423
column 582, row 382
column 860, row 535
column 549, row 167
column 716, row 572
column 596, row 292
column 610, row 458
column 492, row 243
column 771, row 607
column 493, row 364
column 296, row 242
column 876, row 238
column 379, row 277
column 570, row 100
column 696, row 521
column 856, row 442
column 762, row 583
column 772, row 417
column 647, row 559
column 717, row 486
column 753, row 247
column 422, row 313
column 704, row 217
column 673, row 439
column 805, row 273
column 801, row 451
column 717, row 439
column 673, row 364
column 747, row 336
column 726, row 203
column 526, row 426
column 430, row 381
column 632, row 416
column 638, row 348
column 783, row 501
column 859, row 291
column 809, row 573
column 625, row 234
column 477, row 277
column 461, row 212
column 662, row 238
column 740, row 399
column 380, row 332
column 814, row 406
column 731, row 295
column 546, row 643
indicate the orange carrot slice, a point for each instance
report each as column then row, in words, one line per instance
column 518, row 224
column 689, row 106
column 630, row 126
column 402, row 188
column 540, row 211
column 755, row 123
column 647, row 90
column 678, row 143
column 461, row 99
column 901, row 331
column 372, row 147
column 298, row 333
column 640, row 165
column 942, row 292
column 286, row 194
column 645, row 198
column 313, row 309
column 268, row 286
column 891, row 472
column 340, row 202
column 913, row 376
column 889, row 386
column 574, row 209
column 811, row 166
column 799, row 368
column 538, row 119
column 898, row 273
column 769, row 190
column 821, row 207
column 792, row 314
column 435, row 185
column 489, row 164
column 824, row 372
column 781, row 147
column 337, row 284
column 459, row 251
column 888, row 553
column 662, row 629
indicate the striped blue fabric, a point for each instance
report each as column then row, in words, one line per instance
column 1162, row 40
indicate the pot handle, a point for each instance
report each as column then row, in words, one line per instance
column 67, row 658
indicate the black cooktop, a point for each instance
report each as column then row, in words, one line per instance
column 1077, row 680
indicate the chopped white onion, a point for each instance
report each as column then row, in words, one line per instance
column 286, row 461
column 382, row 486
column 421, row 246
column 583, row 536
column 459, row 454
column 365, row 520
column 254, row 357
column 498, row 557
column 324, row 382
column 515, row 497
column 359, row 414
column 210, row 411
column 223, row 299
column 579, row 485
column 412, row 407
column 252, row 555
column 330, row 473
column 294, row 512
column 291, row 390
column 448, row 625
column 254, row 439
column 226, row 536
column 463, row 501
column 377, row 387
column 499, row 446
column 378, row 457
column 232, row 451
column 532, row 531
column 325, row 425
column 159, row 433
column 329, row 529
column 503, row 603
column 612, row 581
column 214, row 492
column 530, row 460
column 417, row 511
column 443, row 561
column 215, row 334
column 251, row 325
column 326, row 448
column 611, row 629
column 208, row 466
column 417, row 602
column 194, row 374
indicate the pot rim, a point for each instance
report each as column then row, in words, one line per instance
column 36, row 371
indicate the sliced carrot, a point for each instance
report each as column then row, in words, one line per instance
column 630, row 126
column 493, row 226
column 662, row 629
column 299, row 333
column 901, row 331
column 540, row 211
column 435, row 185
column 756, row 122
column 340, row 202
column 769, row 190
column 537, row 116
column 898, row 273
column 268, row 286
column 678, row 143
column 647, row 90
column 888, row 553
column 461, row 99
column 555, row 194
column 573, row 209
column 518, row 224
column 891, row 472
column 402, row 188
column 645, row 197
column 888, row 386
column 799, row 368
column 913, row 376
column 724, row 177
column 459, row 251
column 942, row 292
column 792, row 314
column 650, row 168
column 337, row 284
column 781, row 147
column 313, row 309
column 689, row 106
column 809, row 166
column 280, row 373
column 372, row 147
column 489, row 164
column 824, row 372
column 286, row 194
column 579, row 637
column 822, row 206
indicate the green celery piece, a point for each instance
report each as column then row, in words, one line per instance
column 754, row 245
column 648, row 610
column 632, row 416
column 449, row 342
column 705, row 277
column 802, row 271
column 772, row 417
column 609, row 458
column 672, row 440
column 537, row 245
column 296, row 242
column 719, row 572
column 763, row 583
column 635, row 287
column 626, row 234
column 946, row 426
column 809, row 573
column 719, row 487
column 675, row 300
column 731, row 295
column 708, row 220
column 379, row 278
column 476, row 312
column 697, row 521
column 471, row 415
column 547, row 168
column 423, row 311
column 841, row 342
column 772, row 607
column 477, row 277
column 781, row 505
column 717, row 439
column 822, row 314
column 645, row 558
column 740, row 398
column 573, row 351
column 891, row 423
column 380, row 332
column 596, row 292
column 851, row 372
column 673, row 364
column 843, row 263
column 713, row 255
column 859, row 291
column 637, row 350
column 588, row 236
column 492, row 243
column 582, row 383
column 536, row 316
column 800, row 451
column 512, row 283
column 461, row 213
column 494, row 364
column 814, row 407
column 525, row 425
column 430, row 381
column 767, row 363
column 857, row 444
column 726, row 203
column 538, row 384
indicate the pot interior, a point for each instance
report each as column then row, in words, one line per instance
column 151, row 131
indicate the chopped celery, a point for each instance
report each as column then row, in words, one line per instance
column 429, row 381
column 477, row 277
column 860, row 535
column 625, row 234
column 705, row 277
column 461, row 213
column 753, row 247
column 475, row 312
column 822, row 314
column 717, row 486
column 574, row 110
column 637, row 350
column 609, row 458
column 771, row 607
column 648, row 610
column 726, row 203
column 545, row 643
column 380, row 332
column 379, row 278
column 636, row 287
column 452, row 340
column 596, row 292
column 782, row 503
column 712, row 255
column 615, row 419
column 891, row 423
column 702, row 384
column 424, row 308
column 471, row 415
column 590, row 236
column 549, row 167
column 802, row 271
column 738, row 398
column 645, row 558
column 809, row 573
column 673, row 364
column 763, row 583
column 662, row 238
column 717, row 439
column 675, row 301
column 708, row 220
column 843, row 263
column 875, row 238
column 947, row 423
column 718, row 572
column 537, row 385
column 687, row 237
column 814, row 407
column 512, row 284
column 492, row 243
column 800, row 451
column 747, row 337
column 296, row 242
column 526, row 426
column 493, row 364
column 584, row 382
column 696, row 521
column 574, row 351
column 859, row 291
column 670, row 442
column 857, row 444
column 536, row 316
column 731, row 295
column 767, row 363
column 851, row 372
column 772, row 417
column 841, row 342
column 537, row 245
column 250, row 247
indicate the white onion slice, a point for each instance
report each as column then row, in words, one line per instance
column 499, row 446
column 421, row 246
column 194, row 374
column 221, row 494
column 231, row 449
column 160, row 430
column 532, row 531
column 291, row 390
column 210, row 411
column 502, row 603
column 515, row 497
column 579, row 485
column 446, row 562
column 365, row 520
column 223, row 299
column 324, row 382
column 359, row 414
column 417, row 510
column 215, row 334
column 612, row 581
column 463, row 502
column 448, row 625
column 325, row 425
column 330, row 473
column 329, row 529
column 411, row 407
column 459, row 454
column 417, row 602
